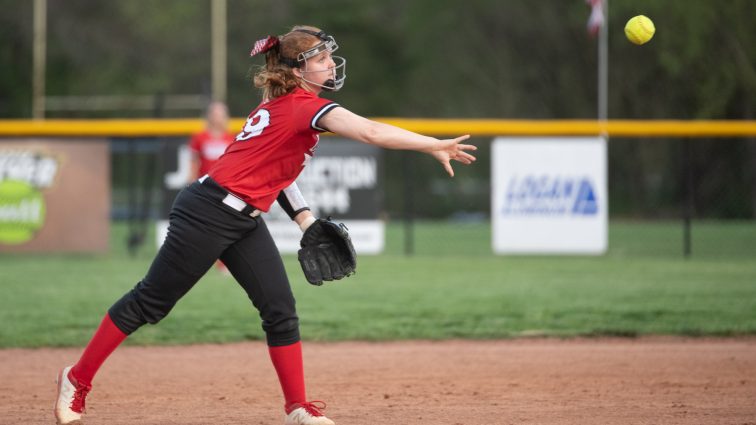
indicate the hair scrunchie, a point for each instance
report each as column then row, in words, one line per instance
column 262, row 46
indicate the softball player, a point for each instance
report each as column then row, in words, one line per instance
column 218, row 216
column 208, row 145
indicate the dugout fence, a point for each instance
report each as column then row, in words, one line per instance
column 677, row 188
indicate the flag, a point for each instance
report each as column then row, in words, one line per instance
column 596, row 21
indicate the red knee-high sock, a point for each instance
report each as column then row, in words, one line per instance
column 107, row 338
column 287, row 360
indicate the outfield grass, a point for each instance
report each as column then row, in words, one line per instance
column 453, row 287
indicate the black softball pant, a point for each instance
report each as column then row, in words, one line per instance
column 201, row 230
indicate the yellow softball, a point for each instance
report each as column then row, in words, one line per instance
column 639, row 29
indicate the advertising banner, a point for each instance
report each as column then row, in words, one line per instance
column 342, row 180
column 549, row 195
column 54, row 195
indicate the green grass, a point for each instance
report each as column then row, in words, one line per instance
column 453, row 287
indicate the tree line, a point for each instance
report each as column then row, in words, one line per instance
column 439, row 58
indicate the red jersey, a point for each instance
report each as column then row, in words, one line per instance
column 209, row 148
column 278, row 138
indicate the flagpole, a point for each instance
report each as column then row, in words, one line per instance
column 603, row 69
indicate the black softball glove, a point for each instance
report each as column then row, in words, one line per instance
column 327, row 252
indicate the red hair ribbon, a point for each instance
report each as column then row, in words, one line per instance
column 262, row 46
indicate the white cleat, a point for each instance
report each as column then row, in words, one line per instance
column 308, row 414
column 70, row 402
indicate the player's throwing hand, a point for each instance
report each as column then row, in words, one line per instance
column 452, row 149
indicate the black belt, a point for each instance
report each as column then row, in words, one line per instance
column 229, row 198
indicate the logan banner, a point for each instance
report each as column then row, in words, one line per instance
column 54, row 195
column 549, row 195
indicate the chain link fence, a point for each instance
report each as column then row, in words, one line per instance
column 670, row 197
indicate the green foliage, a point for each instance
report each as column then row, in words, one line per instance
column 487, row 58
column 453, row 288
column 701, row 64
column 15, row 60
column 431, row 58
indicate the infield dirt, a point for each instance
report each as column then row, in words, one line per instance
column 525, row 381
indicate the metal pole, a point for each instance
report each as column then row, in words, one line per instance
column 39, row 53
column 132, row 238
column 688, row 200
column 409, row 233
column 218, row 17
column 603, row 69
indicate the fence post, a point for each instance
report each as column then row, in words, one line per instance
column 139, row 214
column 688, row 196
column 409, row 237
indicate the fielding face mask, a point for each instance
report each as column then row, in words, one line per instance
column 327, row 44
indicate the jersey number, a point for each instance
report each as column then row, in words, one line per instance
column 254, row 125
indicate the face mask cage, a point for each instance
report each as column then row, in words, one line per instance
column 328, row 44
column 338, row 72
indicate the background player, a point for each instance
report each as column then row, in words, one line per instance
column 209, row 144
column 218, row 216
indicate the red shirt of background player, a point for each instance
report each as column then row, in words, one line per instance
column 209, row 147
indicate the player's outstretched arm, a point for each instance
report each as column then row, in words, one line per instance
column 348, row 124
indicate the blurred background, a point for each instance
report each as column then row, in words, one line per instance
column 681, row 209
column 514, row 59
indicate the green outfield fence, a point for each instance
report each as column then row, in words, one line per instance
column 675, row 187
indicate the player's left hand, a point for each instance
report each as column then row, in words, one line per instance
column 453, row 149
column 327, row 252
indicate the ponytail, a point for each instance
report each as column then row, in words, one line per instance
column 276, row 78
